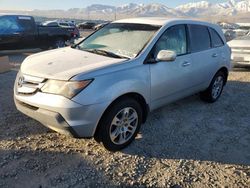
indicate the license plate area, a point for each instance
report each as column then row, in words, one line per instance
column 238, row 59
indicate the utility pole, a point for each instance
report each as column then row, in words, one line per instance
column 88, row 15
column 247, row 5
column 115, row 12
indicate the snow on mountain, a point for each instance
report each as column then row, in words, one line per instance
column 134, row 9
column 194, row 9
column 243, row 6
column 98, row 8
column 127, row 8
column 228, row 4
column 198, row 5
column 199, row 8
column 230, row 7
column 155, row 10
column 202, row 8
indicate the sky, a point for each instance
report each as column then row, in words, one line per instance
column 66, row 4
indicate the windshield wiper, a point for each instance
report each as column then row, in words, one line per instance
column 106, row 53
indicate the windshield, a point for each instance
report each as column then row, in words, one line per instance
column 120, row 39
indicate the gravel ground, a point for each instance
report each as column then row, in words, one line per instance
column 186, row 144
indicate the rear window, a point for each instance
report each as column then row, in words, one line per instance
column 199, row 38
column 216, row 39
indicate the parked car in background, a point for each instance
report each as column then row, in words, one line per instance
column 70, row 26
column 229, row 34
column 226, row 25
column 86, row 25
column 21, row 32
column 241, row 32
column 105, row 86
column 241, row 51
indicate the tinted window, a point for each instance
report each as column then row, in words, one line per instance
column 216, row 39
column 9, row 25
column 173, row 39
column 199, row 38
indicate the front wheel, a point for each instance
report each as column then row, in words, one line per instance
column 59, row 43
column 215, row 89
column 120, row 124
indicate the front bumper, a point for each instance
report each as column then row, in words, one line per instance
column 61, row 114
column 52, row 120
column 240, row 64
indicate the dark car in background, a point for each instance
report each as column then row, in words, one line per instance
column 86, row 25
column 22, row 32
column 70, row 26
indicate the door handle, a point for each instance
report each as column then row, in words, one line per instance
column 185, row 64
column 215, row 55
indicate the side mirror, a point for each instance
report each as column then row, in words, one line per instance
column 166, row 55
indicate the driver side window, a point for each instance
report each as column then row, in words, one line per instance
column 173, row 39
column 8, row 25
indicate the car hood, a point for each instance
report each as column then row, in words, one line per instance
column 64, row 63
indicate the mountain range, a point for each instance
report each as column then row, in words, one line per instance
column 197, row 9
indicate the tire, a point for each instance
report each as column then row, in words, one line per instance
column 213, row 92
column 116, row 122
column 59, row 43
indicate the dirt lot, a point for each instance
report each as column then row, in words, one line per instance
column 186, row 144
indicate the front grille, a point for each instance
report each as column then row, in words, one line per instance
column 28, row 84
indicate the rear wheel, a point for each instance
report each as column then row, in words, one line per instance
column 215, row 89
column 120, row 124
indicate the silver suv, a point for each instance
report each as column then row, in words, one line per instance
column 105, row 86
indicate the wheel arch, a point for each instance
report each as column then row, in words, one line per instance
column 136, row 96
column 225, row 71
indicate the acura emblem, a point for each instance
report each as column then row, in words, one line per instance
column 20, row 81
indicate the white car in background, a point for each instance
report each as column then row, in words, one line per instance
column 241, row 32
column 240, row 51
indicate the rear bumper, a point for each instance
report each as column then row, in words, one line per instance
column 61, row 114
column 241, row 63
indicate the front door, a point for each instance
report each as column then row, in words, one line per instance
column 171, row 80
column 10, row 33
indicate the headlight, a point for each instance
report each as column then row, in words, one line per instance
column 68, row 89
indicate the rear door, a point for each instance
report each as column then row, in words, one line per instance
column 204, row 57
column 218, row 48
column 10, row 33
